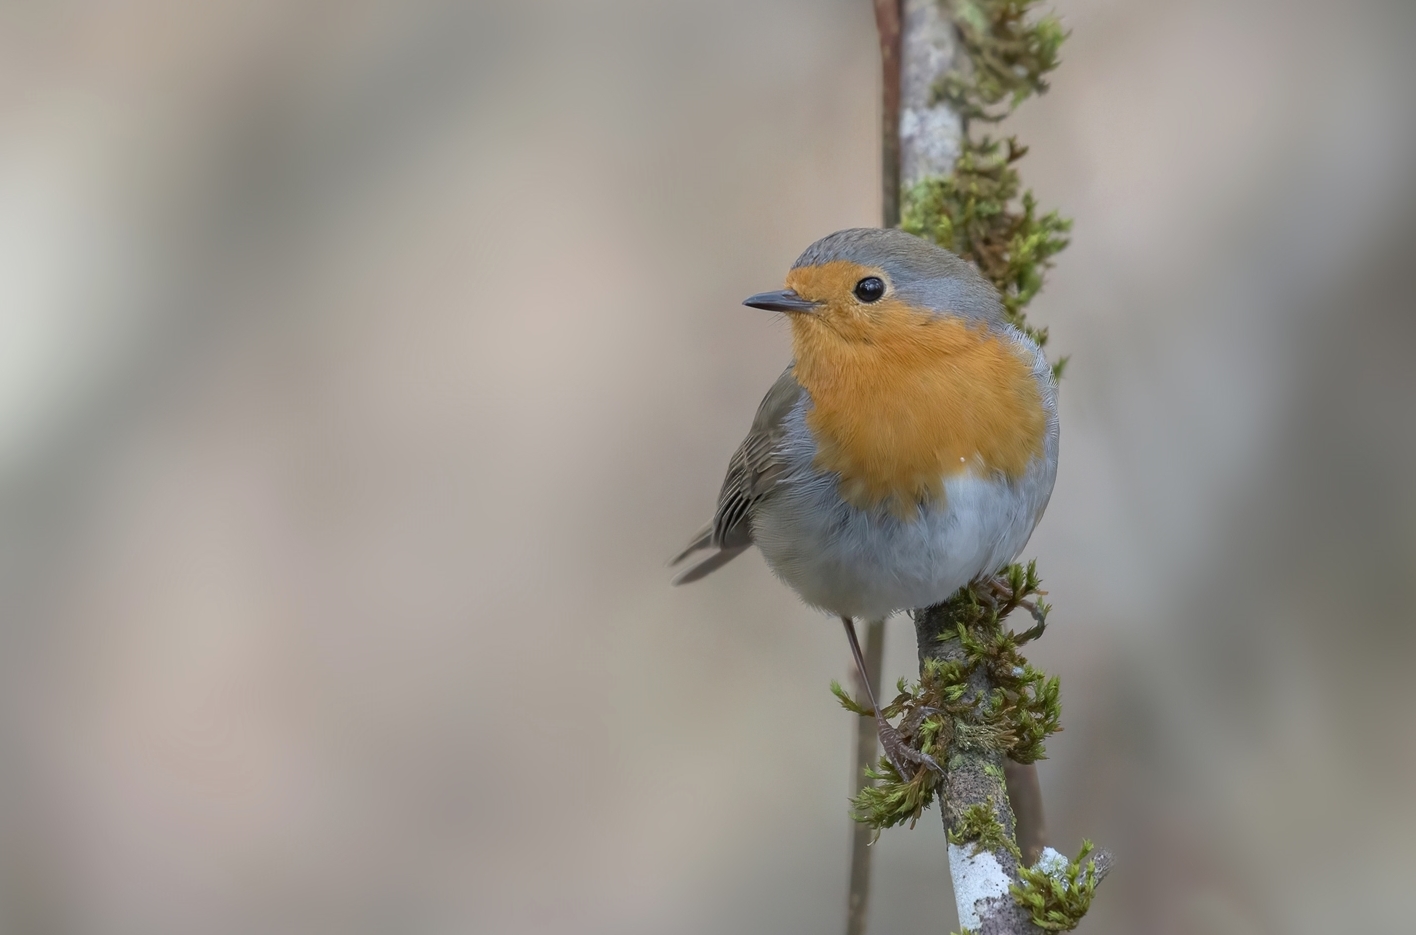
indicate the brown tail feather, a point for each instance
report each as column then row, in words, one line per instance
column 710, row 564
column 701, row 540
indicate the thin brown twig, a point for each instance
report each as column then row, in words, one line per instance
column 887, row 22
column 1025, row 795
column 861, row 835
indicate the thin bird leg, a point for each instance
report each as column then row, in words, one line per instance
column 899, row 752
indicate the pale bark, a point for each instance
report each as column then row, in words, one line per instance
column 930, row 132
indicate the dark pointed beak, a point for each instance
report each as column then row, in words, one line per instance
column 783, row 300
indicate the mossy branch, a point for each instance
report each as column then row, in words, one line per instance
column 1017, row 713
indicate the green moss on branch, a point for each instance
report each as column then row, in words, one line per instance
column 937, row 714
column 1009, row 57
column 979, row 826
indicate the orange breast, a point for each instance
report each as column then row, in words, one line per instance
column 906, row 399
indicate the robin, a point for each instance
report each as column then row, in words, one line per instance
column 909, row 448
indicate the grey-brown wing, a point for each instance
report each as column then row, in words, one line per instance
column 755, row 467
column 753, row 471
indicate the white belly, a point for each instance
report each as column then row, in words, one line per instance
column 869, row 563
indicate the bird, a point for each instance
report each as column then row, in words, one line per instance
column 909, row 448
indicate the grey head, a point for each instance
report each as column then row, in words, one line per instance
column 921, row 273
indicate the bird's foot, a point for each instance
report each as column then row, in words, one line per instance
column 992, row 592
column 905, row 758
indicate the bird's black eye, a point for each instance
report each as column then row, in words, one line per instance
column 869, row 289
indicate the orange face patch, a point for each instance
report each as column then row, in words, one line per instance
column 902, row 399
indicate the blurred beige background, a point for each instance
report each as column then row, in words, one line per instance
column 361, row 364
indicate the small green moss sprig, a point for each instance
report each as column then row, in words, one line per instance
column 979, row 826
column 892, row 800
column 1058, row 897
column 1015, row 717
column 981, row 211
